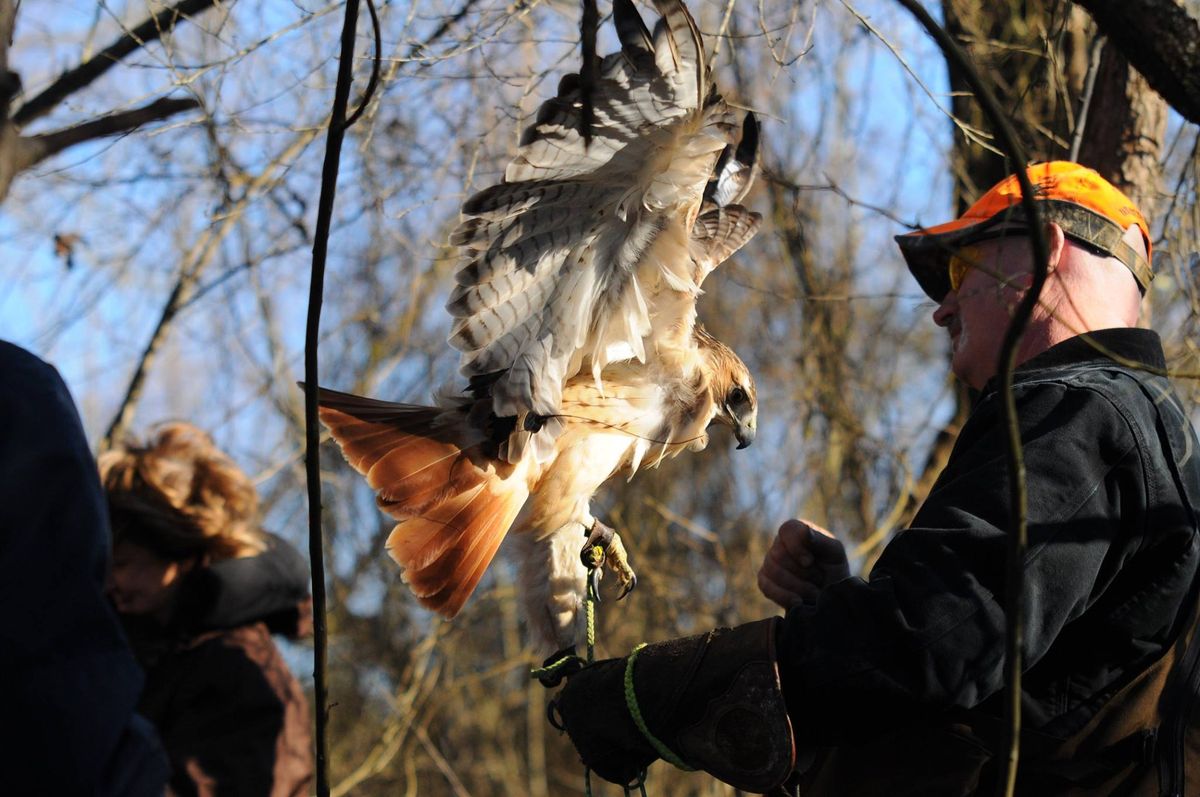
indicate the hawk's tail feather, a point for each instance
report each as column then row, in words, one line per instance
column 446, row 571
column 454, row 506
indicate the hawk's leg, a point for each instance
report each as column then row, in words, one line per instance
column 604, row 547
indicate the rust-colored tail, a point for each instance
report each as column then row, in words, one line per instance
column 454, row 505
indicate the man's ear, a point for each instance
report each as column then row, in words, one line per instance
column 1056, row 242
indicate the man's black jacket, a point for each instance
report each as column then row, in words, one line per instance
column 1113, row 554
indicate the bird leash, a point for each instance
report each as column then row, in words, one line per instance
column 566, row 663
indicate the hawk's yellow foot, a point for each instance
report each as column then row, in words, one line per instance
column 604, row 548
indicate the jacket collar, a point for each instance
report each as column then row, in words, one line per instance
column 1141, row 346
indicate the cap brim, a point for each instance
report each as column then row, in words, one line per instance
column 927, row 251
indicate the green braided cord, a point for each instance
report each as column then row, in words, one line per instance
column 553, row 667
column 631, row 703
column 589, row 604
column 639, row 784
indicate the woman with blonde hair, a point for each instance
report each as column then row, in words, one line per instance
column 200, row 588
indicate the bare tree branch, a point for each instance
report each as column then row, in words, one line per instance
column 43, row 146
column 87, row 72
column 195, row 262
column 18, row 153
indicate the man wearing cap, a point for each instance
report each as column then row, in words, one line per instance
column 894, row 684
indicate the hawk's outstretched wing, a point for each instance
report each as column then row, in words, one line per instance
column 585, row 256
column 576, row 318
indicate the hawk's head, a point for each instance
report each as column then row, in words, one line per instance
column 731, row 388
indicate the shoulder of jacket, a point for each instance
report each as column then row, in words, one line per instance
column 27, row 379
column 222, row 643
column 1101, row 391
column 1105, row 382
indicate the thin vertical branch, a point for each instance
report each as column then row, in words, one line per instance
column 312, row 460
column 721, row 31
column 376, row 67
column 1089, row 88
column 1014, row 581
column 589, row 73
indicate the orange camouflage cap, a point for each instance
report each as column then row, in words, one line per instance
column 1089, row 209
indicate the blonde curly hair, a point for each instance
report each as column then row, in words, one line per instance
column 181, row 497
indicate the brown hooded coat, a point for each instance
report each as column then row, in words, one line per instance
column 233, row 718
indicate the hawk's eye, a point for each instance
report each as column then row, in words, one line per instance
column 737, row 396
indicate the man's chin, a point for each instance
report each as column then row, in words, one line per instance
column 963, row 369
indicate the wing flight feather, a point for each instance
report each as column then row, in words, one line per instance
column 584, row 255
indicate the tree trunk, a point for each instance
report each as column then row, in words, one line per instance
column 1161, row 38
column 1010, row 43
column 1125, row 132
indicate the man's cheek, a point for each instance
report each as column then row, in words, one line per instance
column 961, row 342
column 960, row 361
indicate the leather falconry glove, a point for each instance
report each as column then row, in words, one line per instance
column 712, row 700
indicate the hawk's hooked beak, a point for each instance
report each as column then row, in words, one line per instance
column 744, row 429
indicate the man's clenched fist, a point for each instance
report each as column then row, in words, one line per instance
column 803, row 559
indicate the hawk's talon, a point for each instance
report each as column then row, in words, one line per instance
column 604, row 548
column 627, row 586
column 594, row 584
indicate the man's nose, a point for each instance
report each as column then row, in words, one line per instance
column 946, row 311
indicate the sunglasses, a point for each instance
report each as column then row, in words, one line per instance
column 968, row 257
column 962, row 261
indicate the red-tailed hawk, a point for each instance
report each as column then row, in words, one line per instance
column 575, row 315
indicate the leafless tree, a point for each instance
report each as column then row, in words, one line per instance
column 166, row 273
